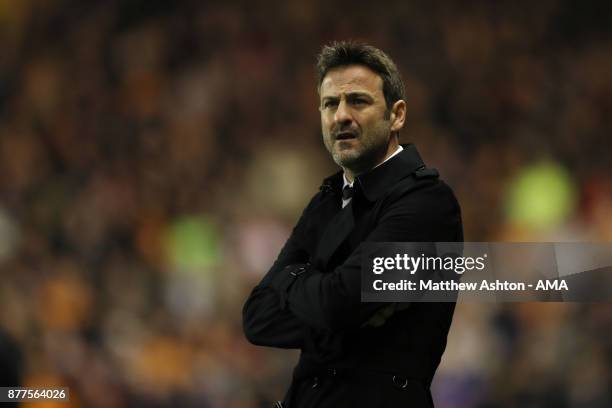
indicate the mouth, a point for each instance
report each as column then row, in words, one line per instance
column 345, row 136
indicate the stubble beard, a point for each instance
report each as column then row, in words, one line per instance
column 362, row 157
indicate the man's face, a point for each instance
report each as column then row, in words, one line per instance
column 354, row 118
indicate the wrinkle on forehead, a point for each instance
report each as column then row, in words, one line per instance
column 352, row 78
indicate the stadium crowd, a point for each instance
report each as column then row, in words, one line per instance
column 155, row 155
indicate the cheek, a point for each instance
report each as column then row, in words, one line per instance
column 326, row 121
column 326, row 132
column 326, row 126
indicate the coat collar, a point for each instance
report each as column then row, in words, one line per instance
column 381, row 179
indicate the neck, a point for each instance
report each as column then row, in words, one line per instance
column 350, row 176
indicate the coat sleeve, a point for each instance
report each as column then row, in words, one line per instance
column 263, row 321
column 332, row 299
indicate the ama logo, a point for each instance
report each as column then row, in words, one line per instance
column 551, row 285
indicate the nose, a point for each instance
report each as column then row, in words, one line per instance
column 343, row 116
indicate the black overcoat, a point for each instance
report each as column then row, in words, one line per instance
column 310, row 298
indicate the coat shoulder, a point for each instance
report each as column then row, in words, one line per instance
column 423, row 189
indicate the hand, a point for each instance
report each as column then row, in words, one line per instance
column 381, row 316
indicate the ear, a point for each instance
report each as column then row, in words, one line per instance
column 398, row 115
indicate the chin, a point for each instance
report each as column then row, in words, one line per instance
column 346, row 159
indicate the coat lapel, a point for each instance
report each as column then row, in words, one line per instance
column 336, row 232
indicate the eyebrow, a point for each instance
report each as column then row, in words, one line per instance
column 355, row 94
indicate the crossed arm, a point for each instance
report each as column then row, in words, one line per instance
column 265, row 323
column 282, row 306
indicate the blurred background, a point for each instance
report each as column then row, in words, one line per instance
column 154, row 156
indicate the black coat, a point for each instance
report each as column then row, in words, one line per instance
column 310, row 298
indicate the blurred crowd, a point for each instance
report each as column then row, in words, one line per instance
column 154, row 156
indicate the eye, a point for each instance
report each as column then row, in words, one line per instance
column 329, row 104
column 358, row 101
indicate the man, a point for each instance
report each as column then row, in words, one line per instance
column 357, row 354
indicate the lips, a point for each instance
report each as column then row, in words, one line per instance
column 345, row 136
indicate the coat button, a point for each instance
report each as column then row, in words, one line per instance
column 400, row 382
column 332, row 372
column 315, row 382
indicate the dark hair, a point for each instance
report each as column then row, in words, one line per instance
column 343, row 53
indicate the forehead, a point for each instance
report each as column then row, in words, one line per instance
column 351, row 78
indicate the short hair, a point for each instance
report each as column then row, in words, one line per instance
column 344, row 53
